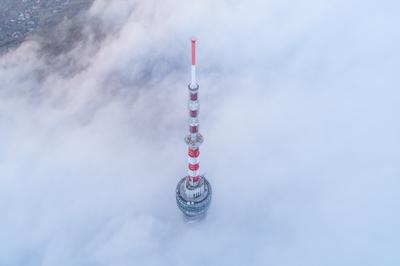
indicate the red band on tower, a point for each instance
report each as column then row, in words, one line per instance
column 194, row 167
column 193, row 129
column 193, row 96
column 194, row 153
column 193, row 51
column 193, row 113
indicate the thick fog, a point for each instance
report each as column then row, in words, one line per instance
column 299, row 111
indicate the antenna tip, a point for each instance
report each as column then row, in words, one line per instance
column 193, row 39
column 193, row 51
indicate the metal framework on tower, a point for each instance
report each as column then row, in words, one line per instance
column 193, row 192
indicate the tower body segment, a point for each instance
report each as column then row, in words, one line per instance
column 193, row 192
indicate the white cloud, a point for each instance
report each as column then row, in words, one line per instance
column 299, row 114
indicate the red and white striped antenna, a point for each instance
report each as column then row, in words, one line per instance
column 194, row 138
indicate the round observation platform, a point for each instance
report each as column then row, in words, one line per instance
column 193, row 201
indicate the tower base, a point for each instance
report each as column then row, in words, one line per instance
column 194, row 206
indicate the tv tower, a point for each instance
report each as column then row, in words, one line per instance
column 193, row 192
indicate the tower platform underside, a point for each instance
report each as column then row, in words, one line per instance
column 193, row 205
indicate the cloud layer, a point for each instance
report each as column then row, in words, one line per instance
column 299, row 114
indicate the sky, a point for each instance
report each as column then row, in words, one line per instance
column 299, row 111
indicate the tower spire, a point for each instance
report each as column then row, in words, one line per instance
column 193, row 82
column 193, row 192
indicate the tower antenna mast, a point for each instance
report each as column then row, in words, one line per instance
column 193, row 192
